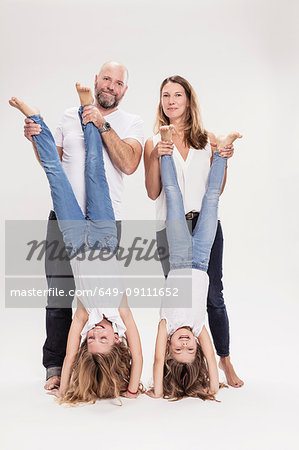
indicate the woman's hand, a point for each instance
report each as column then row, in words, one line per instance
column 151, row 393
column 162, row 148
column 227, row 151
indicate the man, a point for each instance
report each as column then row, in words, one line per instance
column 122, row 136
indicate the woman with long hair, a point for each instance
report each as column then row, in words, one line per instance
column 191, row 147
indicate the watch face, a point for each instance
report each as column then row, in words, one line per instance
column 105, row 127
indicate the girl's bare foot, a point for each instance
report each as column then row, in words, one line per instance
column 52, row 383
column 166, row 132
column 230, row 374
column 25, row 109
column 222, row 141
column 85, row 95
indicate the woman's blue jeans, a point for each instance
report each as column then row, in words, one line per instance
column 96, row 230
column 186, row 250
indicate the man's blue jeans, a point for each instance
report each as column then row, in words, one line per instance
column 96, row 230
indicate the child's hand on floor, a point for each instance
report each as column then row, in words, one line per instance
column 128, row 395
column 151, row 393
column 55, row 392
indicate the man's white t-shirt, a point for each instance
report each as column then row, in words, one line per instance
column 69, row 136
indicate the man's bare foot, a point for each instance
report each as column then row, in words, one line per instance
column 222, row 141
column 85, row 95
column 166, row 132
column 230, row 374
column 25, row 109
column 52, row 383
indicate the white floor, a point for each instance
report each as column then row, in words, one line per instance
column 261, row 415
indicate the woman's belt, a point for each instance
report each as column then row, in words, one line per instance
column 190, row 215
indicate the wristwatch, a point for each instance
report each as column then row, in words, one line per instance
column 105, row 127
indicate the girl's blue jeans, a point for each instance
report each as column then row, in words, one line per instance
column 186, row 250
column 96, row 230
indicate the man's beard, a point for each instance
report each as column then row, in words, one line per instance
column 105, row 102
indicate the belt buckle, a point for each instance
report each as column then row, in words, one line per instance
column 190, row 215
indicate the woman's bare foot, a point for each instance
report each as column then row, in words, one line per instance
column 85, row 95
column 25, row 109
column 166, row 132
column 230, row 374
column 52, row 383
column 222, row 141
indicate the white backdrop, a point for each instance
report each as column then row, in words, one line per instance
column 242, row 59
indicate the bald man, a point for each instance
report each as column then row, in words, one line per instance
column 122, row 136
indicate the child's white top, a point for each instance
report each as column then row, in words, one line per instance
column 95, row 315
column 194, row 316
column 93, row 278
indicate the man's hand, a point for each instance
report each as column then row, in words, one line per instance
column 31, row 129
column 92, row 114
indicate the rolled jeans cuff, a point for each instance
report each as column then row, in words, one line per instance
column 180, row 265
column 52, row 372
column 200, row 266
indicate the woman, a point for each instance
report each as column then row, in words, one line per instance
column 192, row 157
